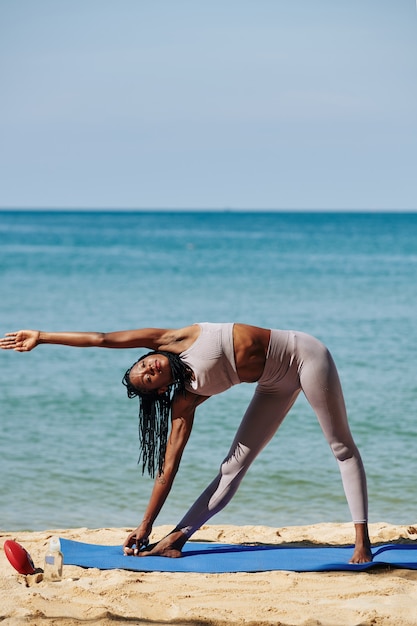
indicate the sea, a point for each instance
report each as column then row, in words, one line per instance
column 69, row 434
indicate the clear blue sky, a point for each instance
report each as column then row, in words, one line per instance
column 241, row 104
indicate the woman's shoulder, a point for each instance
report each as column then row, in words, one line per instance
column 180, row 339
column 186, row 402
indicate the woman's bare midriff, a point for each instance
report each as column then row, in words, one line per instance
column 251, row 346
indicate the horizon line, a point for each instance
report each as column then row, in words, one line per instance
column 6, row 209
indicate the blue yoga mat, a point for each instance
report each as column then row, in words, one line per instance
column 214, row 558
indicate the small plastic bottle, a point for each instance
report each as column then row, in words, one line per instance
column 53, row 560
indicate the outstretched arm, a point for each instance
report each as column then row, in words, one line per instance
column 183, row 410
column 152, row 338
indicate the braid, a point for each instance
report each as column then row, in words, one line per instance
column 154, row 412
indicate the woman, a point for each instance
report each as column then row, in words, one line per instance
column 187, row 366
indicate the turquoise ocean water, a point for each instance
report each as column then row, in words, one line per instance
column 69, row 445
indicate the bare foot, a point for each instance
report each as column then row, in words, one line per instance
column 170, row 546
column 361, row 554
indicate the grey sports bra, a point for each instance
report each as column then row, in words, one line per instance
column 212, row 359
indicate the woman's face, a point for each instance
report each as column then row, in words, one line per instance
column 152, row 373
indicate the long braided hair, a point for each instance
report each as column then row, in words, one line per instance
column 154, row 412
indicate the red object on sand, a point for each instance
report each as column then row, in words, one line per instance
column 19, row 557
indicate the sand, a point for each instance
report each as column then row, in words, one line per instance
column 89, row 596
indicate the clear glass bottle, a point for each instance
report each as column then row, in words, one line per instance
column 53, row 560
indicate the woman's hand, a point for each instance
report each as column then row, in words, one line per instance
column 137, row 539
column 20, row 341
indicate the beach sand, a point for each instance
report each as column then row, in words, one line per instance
column 384, row 596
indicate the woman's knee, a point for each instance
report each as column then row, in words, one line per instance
column 236, row 462
column 343, row 451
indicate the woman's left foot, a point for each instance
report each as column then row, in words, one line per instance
column 170, row 546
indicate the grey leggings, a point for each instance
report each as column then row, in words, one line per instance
column 295, row 362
